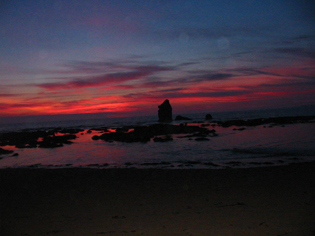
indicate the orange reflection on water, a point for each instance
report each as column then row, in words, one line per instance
column 245, row 145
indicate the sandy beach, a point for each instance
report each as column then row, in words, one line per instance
column 255, row 201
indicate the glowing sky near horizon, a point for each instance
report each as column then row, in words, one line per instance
column 125, row 57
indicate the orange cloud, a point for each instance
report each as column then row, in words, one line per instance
column 139, row 88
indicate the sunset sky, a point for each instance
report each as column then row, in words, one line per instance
column 126, row 57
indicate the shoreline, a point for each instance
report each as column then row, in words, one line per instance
column 109, row 146
column 276, row 200
column 164, row 165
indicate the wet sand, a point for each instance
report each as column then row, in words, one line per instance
column 256, row 201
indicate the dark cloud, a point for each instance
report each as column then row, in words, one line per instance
column 114, row 73
column 145, row 80
column 88, row 66
column 292, row 84
column 199, row 76
column 158, row 93
column 296, row 51
column 184, row 34
column 253, row 72
column 305, row 37
column 153, row 68
column 177, row 94
column 132, row 73
column 208, row 94
column 7, row 95
column 204, row 75
column 172, row 90
column 184, row 64
column 158, row 83
column 116, row 65
column 296, row 41
column 93, row 81
column 215, row 76
column 5, row 106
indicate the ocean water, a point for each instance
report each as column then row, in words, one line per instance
column 251, row 147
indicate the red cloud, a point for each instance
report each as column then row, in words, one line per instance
column 106, row 79
column 94, row 81
column 138, row 89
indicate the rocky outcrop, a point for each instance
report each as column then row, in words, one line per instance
column 23, row 139
column 33, row 139
column 209, row 117
column 273, row 120
column 145, row 133
column 56, row 141
column 3, row 151
column 182, row 118
column 202, row 139
column 164, row 138
column 165, row 112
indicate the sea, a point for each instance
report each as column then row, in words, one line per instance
column 259, row 146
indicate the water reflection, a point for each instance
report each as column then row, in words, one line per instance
column 275, row 145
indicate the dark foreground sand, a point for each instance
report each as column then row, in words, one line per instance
column 259, row 201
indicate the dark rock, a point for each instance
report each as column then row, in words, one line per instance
column 70, row 131
column 163, row 139
column 235, row 163
column 95, row 137
column 264, row 121
column 3, row 151
column 181, row 118
column 209, row 117
column 30, row 144
column 210, row 164
column 268, row 163
column 163, row 163
column 56, row 141
column 192, row 162
column 240, row 129
column 93, row 165
column 202, row 139
column 255, row 163
column 165, row 112
column 35, row 165
column 22, row 139
column 126, row 137
column 101, row 129
column 197, row 134
column 150, row 164
column 145, row 133
column 124, row 129
column 50, row 144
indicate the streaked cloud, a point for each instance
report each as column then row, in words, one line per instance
column 126, row 56
column 296, row 51
column 132, row 73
